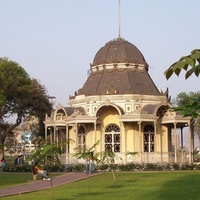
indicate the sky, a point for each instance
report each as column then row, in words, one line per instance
column 56, row 40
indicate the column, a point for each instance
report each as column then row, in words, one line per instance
column 181, row 137
column 133, row 141
column 45, row 134
column 191, row 141
column 182, row 154
column 161, row 144
column 169, row 135
column 155, row 141
column 155, row 132
column 67, row 145
column 54, row 133
column 50, row 130
column 125, row 142
column 121, row 134
column 76, row 132
column 133, row 138
column 140, row 135
column 102, row 139
column 95, row 136
column 175, row 143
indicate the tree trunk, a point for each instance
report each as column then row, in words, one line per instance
column 1, row 149
column 199, row 141
column 114, row 178
column 5, row 133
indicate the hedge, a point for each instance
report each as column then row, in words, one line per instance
column 106, row 167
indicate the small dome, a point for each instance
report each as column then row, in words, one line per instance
column 119, row 51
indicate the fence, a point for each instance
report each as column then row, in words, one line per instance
column 145, row 157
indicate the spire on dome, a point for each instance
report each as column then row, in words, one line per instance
column 119, row 21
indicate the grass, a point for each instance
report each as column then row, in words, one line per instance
column 16, row 178
column 10, row 178
column 176, row 185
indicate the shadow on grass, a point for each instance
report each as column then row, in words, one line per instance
column 87, row 195
column 183, row 187
column 66, row 198
column 155, row 186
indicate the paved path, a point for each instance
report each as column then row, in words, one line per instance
column 44, row 184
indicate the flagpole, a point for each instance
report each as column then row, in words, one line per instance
column 119, row 21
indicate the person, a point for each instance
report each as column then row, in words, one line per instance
column 19, row 160
column 39, row 170
column 89, row 166
column 3, row 162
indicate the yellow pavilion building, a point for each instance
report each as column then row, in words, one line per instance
column 120, row 106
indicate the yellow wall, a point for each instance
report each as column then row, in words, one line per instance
column 131, row 139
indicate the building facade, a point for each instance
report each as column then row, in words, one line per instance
column 120, row 106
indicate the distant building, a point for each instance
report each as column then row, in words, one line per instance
column 120, row 105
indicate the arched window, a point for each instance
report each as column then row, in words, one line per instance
column 149, row 138
column 112, row 138
column 81, row 137
column 60, row 115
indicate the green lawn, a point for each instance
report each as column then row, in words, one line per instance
column 176, row 185
column 12, row 178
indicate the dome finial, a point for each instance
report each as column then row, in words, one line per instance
column 119, row 21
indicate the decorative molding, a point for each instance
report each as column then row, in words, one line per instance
column 111, row 90
column 128, row 108
column 77, row 113
column 137, row 107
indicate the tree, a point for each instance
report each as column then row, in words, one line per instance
column 11, row 140
column 131, row 154
column 197, row 129
column 183, row 98
column 108, row 157
column 39, row 104
column 20, row 96
column 189, row 105
column 190, row 109
column 47, row 154
column 86, row 152
column 189, row 63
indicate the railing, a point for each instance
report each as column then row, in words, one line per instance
column 145, row 157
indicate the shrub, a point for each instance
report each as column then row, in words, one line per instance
column 113, row 167
column 127, row 167
column 78, row 167
column 23, row 168
column 176, row 166
column 54, row 168
column 187, row 166
column 69, row 167
column 103, row 167
column 107, row 167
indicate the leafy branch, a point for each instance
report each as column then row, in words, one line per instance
column 192, row 60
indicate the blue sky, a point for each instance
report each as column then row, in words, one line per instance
column 56, row 40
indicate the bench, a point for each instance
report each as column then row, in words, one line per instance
column 34, row 172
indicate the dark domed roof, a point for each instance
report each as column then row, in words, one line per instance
column 119, row 68
column 118, row 51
